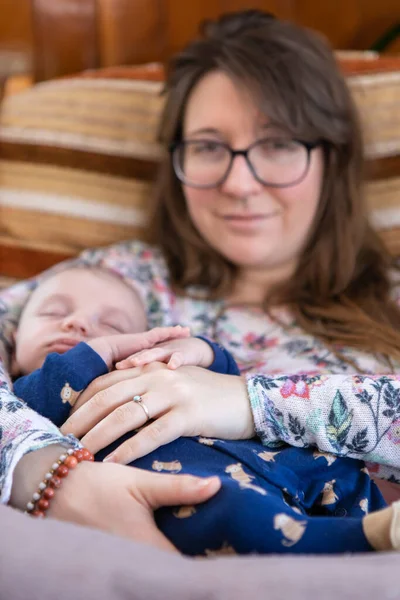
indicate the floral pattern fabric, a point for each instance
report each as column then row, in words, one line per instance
column 300, row 392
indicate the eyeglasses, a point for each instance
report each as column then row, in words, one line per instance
column 275, row 162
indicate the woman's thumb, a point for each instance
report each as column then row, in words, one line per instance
column 169, row 490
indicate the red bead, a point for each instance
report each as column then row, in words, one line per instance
column 62, row 471
column 87, row 455
column 43, row 504
column 78, row 455
column 48, row 493
column 71, row 462
column 37, row 513
column 55, row 482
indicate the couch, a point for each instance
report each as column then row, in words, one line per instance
column 77, row 159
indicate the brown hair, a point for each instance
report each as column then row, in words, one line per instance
column 341, row 290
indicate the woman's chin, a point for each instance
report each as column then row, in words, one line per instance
column 244, row 256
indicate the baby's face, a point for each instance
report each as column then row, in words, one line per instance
column 74, row 306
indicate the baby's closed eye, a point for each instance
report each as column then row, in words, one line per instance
column 117, row 327
column 56, row 311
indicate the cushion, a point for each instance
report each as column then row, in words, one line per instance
column 76, row 164
column 78, row 157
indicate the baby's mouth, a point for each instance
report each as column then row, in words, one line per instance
column 62, row 345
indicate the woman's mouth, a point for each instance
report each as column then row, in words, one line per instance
column 247, row 222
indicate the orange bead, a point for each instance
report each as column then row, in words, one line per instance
column 38, row 513
column 55, row 482
column 62, row 471
column 71, row 462
column 78, row 455
column 43, row 504
column 48, row 493
column 87, row 455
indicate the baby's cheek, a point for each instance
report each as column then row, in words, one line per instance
column 28, row 355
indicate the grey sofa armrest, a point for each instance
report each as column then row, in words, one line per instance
column 50, row 560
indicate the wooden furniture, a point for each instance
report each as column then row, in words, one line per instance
column 72, row 35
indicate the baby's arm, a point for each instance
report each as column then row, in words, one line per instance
column 198, row 352
column 54, row 388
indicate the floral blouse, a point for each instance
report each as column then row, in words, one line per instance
column 300, row 393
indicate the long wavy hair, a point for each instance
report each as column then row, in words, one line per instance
column 341, row 289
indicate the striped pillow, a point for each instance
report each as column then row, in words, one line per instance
column 76, row 163
column 78, row 156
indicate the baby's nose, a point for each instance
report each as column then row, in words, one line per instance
column 76, row 323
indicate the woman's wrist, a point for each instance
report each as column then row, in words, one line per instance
column 30, row 471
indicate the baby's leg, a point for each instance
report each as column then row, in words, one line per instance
column 244, row 521
column 257, row 510
column 328, row 485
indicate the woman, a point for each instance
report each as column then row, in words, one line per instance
column 264, row 245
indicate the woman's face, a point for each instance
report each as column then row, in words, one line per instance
column 250, row 224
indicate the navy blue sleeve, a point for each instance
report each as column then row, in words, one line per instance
column 53, row 389
column 223, row 362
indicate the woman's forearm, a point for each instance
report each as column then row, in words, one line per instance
column 29, row 471
column 21, row 431
column 348, row 415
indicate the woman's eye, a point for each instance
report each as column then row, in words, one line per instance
column 205, row 148
column 279, row 145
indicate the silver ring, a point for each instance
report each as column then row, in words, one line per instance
column 139, row 400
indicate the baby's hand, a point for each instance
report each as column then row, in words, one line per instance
column 114, row 348
column 178, row 352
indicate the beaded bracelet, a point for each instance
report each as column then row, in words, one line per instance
column 41, row 499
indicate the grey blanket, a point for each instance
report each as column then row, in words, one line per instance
column 50, row 560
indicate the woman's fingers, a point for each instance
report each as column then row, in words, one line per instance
column 127, row 417
column 161, row 489
column 102, row 404
column 104, row 382
column 163, row 430
column 109, row 379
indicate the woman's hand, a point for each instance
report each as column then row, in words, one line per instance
column 186, row 402
column 111, row 497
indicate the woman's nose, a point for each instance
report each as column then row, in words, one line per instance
column 77, row 324
column 240, row 181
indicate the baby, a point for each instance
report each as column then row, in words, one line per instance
column 92, row 306
column 80, row 322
